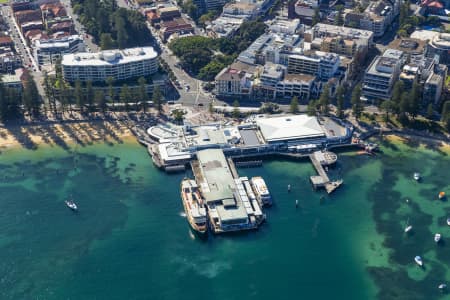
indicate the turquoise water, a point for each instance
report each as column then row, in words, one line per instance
column 131, row 241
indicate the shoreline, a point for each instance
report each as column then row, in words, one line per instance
column 84, row 132
column 65, row 134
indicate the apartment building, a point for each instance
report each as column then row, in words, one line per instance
column 318, row 63
column 9, row 60
column 339, row 45
column 377, row 17
column 118, row 64
column 49, row 51
column 382, row 74
column 305, row 9
column 440, row 45
column 232, row 82
column 434, row 85
column 175, row 26
column 321, row 30
column 25, row 16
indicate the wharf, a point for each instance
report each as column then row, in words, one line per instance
column 320, row 159
column 232, row 168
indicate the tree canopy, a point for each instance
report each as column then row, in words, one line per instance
column 112, row 26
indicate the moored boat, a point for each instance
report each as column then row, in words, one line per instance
column 442, row 286
column 416, row 176
column 194, row 206
column 408, row 228
column 437, row 237
column 261, row 191
column 441, row 195
column 418, row 260
column 448, row 221
column 70, row 204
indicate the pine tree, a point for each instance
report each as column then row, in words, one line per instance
column 31, row 99
column 111, row 95
column 340, row 101
column 125, row 95
column 430, row 111
column 89, row 95
column 100, row 101
column 143, row 96
column 397, row 95
column 294, row 105
column 357, row 106
column 78, row 94
column 311, row 109
column 236, row 112
column 415, row 100
column 157, row 99
column 445, row 111
column 324, row 99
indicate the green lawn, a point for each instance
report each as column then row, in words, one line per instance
column 447, row 81
column 4, row 1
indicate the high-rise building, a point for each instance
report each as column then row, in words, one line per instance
column 118, row 64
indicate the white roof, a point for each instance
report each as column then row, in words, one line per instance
column 289, row 127
column 424, row 35
column 109, row 57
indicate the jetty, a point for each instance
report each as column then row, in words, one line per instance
column 320, row 159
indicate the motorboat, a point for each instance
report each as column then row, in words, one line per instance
column 416, row 176
column 437, row 237
column 448, row 221
column 261, row 191
column 442, row 286
column 72, row 205
column 441, row 195
column 418, row 260
column 408, row 228
column 194, row 205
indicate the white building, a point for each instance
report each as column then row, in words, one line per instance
column 118, row 64
column 382, row 74
column 379, row 15
column 49, row 51
column 232, row 82
column 321, row 30
column 322, row 64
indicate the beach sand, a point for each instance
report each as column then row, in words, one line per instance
column 422, row 141
column 64, row 134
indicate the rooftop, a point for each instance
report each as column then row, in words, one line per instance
column 290, row 128
column 109, row 57
column 219, row 181
column 424, row 35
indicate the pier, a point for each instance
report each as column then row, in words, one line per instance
column 320, row 159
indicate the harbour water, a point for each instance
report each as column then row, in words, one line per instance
column 130, row 239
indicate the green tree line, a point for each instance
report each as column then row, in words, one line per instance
column 111, row 26
column 205, row 57
column 15, row 104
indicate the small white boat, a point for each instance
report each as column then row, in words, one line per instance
column 437, row 237
column 289, row 187
column 448, row 221
column 70, row 204
column 408, row 228
column 442, row 286
column 418, row 260
column 416, row 176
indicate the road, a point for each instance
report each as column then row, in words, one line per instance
column 18, row 39
column 194, row 94
column 79, row 28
